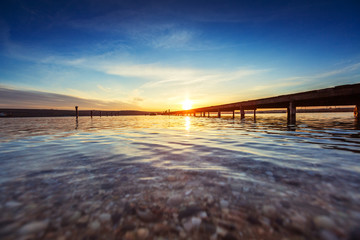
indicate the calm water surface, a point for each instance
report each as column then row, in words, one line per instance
column 319, row 157
column 328, row 143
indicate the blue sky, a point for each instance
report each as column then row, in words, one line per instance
column 152, row 55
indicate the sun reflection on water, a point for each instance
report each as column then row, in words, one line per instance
column 187, row 123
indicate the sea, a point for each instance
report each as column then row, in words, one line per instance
column 180, row 177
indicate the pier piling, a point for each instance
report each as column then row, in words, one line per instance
column 91, row 114
column 357, row 112
column 233, row 114
column 219, row 114
column 291, row 114
column 76, row 111
column 242, row 113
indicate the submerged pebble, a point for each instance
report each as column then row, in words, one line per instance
column 175, row 200
column 34, row 227
column 324, row 222
column 104, row 217
column 95, row 225
column 12, row 204
column 326, row 235
column 142, row 233
column 269, row 210
column 224, row 203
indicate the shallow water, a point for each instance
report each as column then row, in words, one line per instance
column 264, row 161
column 327, row 143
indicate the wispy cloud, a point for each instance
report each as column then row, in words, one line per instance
column 105, row 89
column 345, row 69
column 160, row 75
column 312, row 80
column 141, row 27
column 174, row 39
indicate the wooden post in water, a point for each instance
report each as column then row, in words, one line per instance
column 100, row 113
column 208, row 114
column 291, row 114
column 357, row 112
column 194, row 114
column 76, row 111
column 91, row 113
column 254, row 114
column 233, row 114
column 219, row 113
column 242, row 113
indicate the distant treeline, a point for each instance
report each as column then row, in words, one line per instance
column 66, row 113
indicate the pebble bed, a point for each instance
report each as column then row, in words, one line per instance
column 141, row 202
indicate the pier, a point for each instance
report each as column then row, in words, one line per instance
column 336, row 96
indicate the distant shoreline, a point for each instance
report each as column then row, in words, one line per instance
column 17, row 113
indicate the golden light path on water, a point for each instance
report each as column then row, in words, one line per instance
column 187, row 123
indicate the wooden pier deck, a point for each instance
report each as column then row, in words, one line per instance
column 334, row 96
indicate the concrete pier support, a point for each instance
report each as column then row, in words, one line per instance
column 76, row 112
column 357, row 112
column 291, row 114
column 219, row 114
column 242, row 113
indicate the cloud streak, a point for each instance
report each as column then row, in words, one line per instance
column 310, row 79
column 13, row 98
column 160, row 76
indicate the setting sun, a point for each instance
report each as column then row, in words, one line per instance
column 187, row 104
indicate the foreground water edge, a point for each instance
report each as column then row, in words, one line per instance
column 179, row 178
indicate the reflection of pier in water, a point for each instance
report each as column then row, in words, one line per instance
column 336, row 96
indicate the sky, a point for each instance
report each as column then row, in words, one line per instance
column 154, row 55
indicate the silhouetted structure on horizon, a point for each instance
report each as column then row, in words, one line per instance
column 335, row 96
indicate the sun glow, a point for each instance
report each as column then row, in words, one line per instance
column 187, row 104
